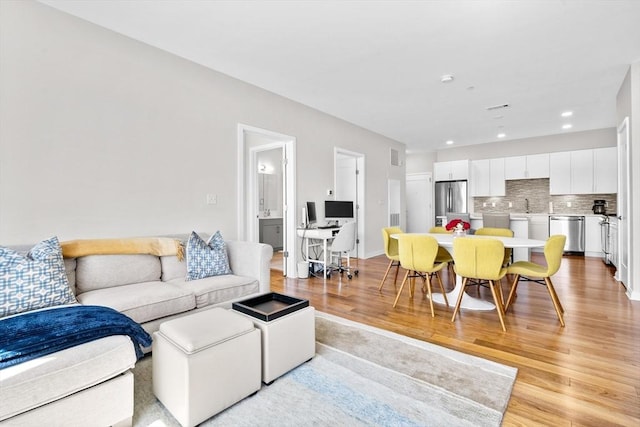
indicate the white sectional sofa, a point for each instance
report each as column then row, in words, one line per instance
column 92, row 383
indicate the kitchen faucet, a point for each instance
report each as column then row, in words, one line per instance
column 526, row 203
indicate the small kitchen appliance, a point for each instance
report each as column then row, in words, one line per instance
column 599, row 207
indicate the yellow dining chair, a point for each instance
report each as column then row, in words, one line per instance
column 417, row 256
column 503, row 232
column 541, row 273
column 391, row 251
column 480, row 259
column 443, row 254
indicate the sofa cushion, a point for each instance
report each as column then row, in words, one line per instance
column 173, row 268
column 48, row 378
column 143, row 301
column 35, row 280
column 206, row 259
column 108, row 271
column 219, row 289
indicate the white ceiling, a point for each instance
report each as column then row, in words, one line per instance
column 378, row 64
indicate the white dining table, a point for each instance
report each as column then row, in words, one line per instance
column 446, row 241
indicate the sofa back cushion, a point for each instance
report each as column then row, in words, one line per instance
column 173, row 268
column 107, row 271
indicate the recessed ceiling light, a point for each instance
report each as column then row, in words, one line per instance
column 567, row 126
column 502, row 135
column 447, row 78
column 567, row 114
column 449, row 142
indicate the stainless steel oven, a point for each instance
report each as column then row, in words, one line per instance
column 605, row 238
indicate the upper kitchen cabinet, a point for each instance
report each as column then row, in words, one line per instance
column 527, row 167
column 583, row 171
column 487, row 177
column 605, row 170
column 560, row 173
column 450, row 171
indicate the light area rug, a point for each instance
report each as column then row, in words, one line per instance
column 361, row 376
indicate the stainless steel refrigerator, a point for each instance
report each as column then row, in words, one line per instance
column 450, row 196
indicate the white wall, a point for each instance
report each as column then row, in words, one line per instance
column 104, row 136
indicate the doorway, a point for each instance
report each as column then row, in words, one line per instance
column 349, row 186
column 255, row 146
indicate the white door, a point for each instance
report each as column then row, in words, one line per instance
column 419, row 203
column 624, row 193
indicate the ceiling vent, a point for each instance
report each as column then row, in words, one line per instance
column 498, row 107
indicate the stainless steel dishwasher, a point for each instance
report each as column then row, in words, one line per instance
column 572, row 227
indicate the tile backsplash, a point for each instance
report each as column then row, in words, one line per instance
column 537, row 192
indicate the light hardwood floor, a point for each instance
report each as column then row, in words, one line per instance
column 585, row 374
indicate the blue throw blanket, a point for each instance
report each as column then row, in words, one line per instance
column 38, row 333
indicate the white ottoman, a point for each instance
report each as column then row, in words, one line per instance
column 205, row 362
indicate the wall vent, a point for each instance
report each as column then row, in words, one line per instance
column 395, row 157
column 394, row 220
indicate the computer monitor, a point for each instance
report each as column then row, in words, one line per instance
column 336, row 210
column 311, row 214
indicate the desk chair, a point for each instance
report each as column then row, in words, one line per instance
column 391, row 251
column 496, row 220
column 480, row 259
column 344, row 242
column 417, row 256
column 541, row 273
column 452, row 215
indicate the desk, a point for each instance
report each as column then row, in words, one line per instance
column 469, row 302
column 317, row 234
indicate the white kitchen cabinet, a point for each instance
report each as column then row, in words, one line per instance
column 487, row 177
column 538, row 228
column 605, row 170
column 560, row 173
column 592, row 236
column 450, row 171
column 527, row 167
column 520, row 229
column 582, row 172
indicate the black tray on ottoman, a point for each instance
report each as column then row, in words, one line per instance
column 270, row 306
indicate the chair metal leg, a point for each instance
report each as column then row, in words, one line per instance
column 498, row 301
column 555, row 300
column 455, row 311
column 512, row 292
column 400, row 290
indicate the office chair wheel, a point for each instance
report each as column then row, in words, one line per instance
column 355, row 272
column 349, row 276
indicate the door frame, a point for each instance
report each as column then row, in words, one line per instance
column 360, row 195
column 248, row 192
column 623, row 272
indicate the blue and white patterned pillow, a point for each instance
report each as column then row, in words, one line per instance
column 206, row 259
column 35, row 280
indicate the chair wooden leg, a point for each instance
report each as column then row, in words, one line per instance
column 433, row 314
column 412, row 285
column 444, row 294
column 512, row 292
column 555, row 300
column 499, row 286
column 455, row 311
column 498, row 302
column 395, row 279
column 386, row 273
column 400, row 290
